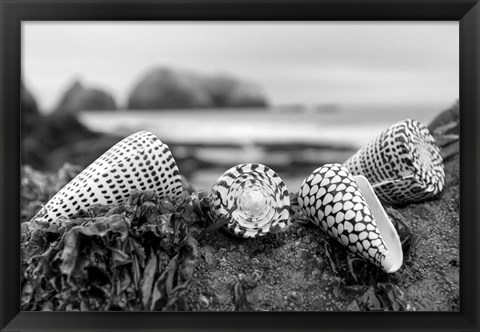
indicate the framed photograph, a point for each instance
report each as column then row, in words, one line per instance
column 239, row 165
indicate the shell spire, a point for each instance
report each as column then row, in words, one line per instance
column 140, row 161
column 403, row 163
column 350, row 213
column 252, row 199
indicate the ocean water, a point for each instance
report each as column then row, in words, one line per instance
column 245, row 130
column 353, row 126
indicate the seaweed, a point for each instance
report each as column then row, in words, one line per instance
column 240, row 290
column 134, row 256
column 382, row 297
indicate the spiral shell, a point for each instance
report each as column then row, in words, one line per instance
column 351, row 213
column 404, row 164
column 140, row 161
column 252, row 198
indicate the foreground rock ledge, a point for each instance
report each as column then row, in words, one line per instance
column 149, row 254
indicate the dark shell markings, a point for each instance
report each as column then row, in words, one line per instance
column 403, row 163
column 351, row 213
column 252, row 199
column 138, row 162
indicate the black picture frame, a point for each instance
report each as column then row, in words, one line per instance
column 13, row 12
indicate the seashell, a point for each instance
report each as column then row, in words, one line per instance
column 347, row 208
column 403, row 164
column 140, row 161
column 252, row 199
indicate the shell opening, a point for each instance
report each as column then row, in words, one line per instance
column 393, row 261
column 252, row 201
column 423, row 155
column 422, row 152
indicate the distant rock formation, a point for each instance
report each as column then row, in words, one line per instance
column 31, row 119
column 447, row 121
column 28, row 103
column 227, row 91
column 164, row 88
column 445, row 128
column 43, row 134
column 79, row 97
column 49, row 133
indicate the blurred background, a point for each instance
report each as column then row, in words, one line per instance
column 290, row 95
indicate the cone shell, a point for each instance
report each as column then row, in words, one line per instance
column 331, row 199
column 407, row 154
column 252, row 198
column 140, row 161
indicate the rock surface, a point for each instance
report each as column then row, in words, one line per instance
column 46, row 134
column 27, row 101
column 300, row 269
column 226, row 91
column 447, row 122
column 445, row 129
column 164, row 88
column 81, row 98
column 42, row 135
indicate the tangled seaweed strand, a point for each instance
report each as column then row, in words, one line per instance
column 133, row 256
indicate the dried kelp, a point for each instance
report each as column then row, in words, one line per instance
column 134, row 256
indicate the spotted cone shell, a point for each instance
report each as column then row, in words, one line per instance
column 331, row 199
column 403, row 163
column 252, row 198
column 140, row 161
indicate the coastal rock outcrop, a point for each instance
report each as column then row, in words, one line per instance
column 43, row 134
column 164, row 88
column 227, row 91
column 28, row 103
column 78, row 98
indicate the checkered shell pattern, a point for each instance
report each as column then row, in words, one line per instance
column 140, row 161
column 331, row 199
column 244, row 186
column 405, row 150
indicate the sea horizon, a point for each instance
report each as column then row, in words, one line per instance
column 353, row 126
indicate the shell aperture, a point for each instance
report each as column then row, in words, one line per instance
column 351, row 213
column 252, row 198
column 403, row 163
column 140, row 161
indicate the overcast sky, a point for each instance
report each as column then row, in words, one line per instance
column 317, row 62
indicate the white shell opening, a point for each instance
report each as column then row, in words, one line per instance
column 252, row 202
column 253, row 199
column 394, row 260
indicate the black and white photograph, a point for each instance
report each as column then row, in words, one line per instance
column 240, row 166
